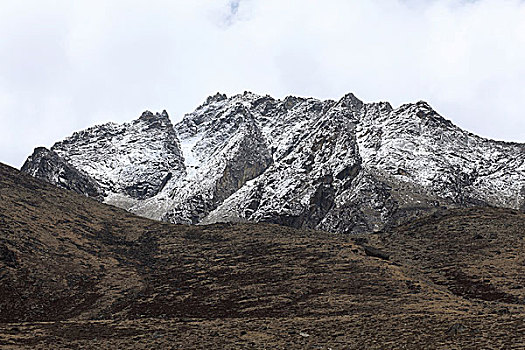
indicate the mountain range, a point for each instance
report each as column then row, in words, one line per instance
column 341, row 166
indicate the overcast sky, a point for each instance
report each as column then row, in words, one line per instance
column 67, row 65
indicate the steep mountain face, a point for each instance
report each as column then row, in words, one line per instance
column 134, row 159
column 48, row 165
column 342, row 166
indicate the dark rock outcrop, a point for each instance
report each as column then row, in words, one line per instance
column 49, row 166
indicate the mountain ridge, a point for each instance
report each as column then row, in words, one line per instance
column 341, row 166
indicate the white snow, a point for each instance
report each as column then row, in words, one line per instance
column 191, row 161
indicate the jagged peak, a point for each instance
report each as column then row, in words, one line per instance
column 210, row 101
column 423, row 110
column 146, row 114
column 350, row 101
column 382, row 105
column 216, row 98
column 247, row 96
column 150, row 116
column 41, row 149
column 290, row 101
column 152, row 121
column 35, row 157
column 415, row 106
column 250, row 94
column 424, row 105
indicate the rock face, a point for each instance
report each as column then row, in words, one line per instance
column 136, row 159
column 49, row 166
column 342, row 166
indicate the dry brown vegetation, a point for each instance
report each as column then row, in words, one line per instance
column 75, row 273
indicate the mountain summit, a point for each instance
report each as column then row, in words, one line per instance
column 341, row 166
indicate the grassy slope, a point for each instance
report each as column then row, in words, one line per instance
column 74, row 272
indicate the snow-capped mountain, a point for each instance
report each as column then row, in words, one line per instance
column 342, row 166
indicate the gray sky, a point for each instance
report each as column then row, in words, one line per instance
column 67, row 65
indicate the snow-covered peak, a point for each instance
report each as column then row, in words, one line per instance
column 351, row 102
column 345, row 165
column 150, row 117
column 134, row 159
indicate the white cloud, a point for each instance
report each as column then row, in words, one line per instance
column 67, row 65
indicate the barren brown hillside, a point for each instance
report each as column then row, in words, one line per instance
column 75, row 273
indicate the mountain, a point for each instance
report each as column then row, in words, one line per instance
column 76, row 273
column 341, row 166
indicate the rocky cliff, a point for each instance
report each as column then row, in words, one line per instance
column 342, row 166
